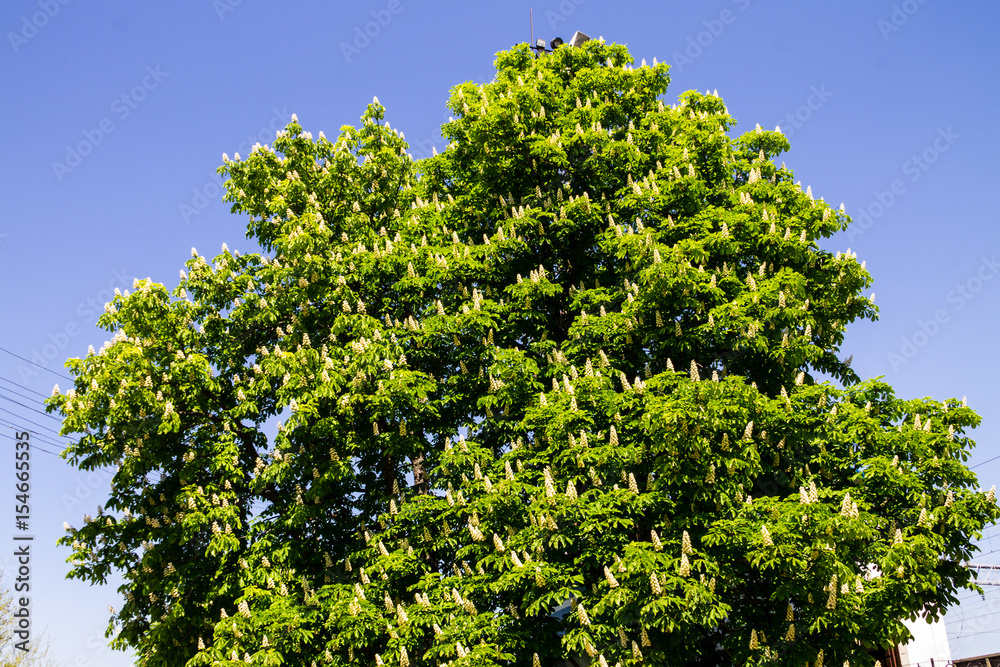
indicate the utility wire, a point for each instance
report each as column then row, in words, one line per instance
column 36, row 436
column 33, row 409
column 985, row 462
column 55, row 432
column 46, row 438
column 43, row 437
column 963, row 619
column 39, row 436
column 973, row 634
column 34, row 446
column 9, row 381
column 20, row 395
column 13, row 354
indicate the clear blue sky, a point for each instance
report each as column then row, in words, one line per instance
column 117, row 114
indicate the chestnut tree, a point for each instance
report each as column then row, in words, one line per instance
column 569, row 392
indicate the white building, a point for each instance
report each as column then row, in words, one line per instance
column 929, row 645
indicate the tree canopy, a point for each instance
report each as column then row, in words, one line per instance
column 560, row 393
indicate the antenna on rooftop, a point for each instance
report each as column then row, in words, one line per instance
column 531, row 19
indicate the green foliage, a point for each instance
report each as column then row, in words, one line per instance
column 551, row 393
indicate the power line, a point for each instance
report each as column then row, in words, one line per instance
column 986, row 553
column 43, row 437
column 34, row 446
column 985, row 462
column 41, row 412
column 33, row 409
column 975, row 605
column 54, row 432
column 973, row 634
column 9, row 381
column 14, row 354
column 40, row 394
column 962, row 620
column 38, row 436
